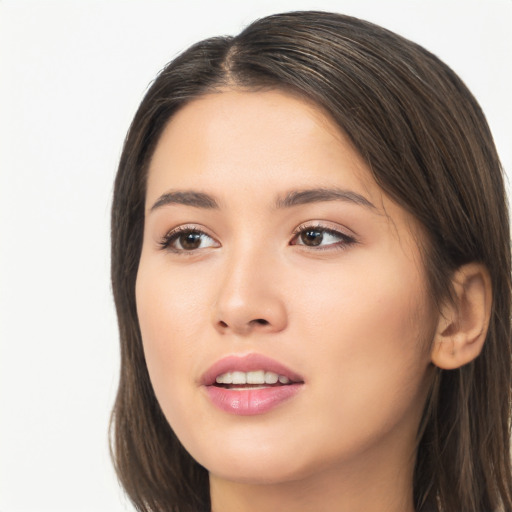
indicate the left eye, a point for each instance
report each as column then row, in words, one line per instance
column 315, row 237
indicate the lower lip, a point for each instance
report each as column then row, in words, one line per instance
column 248, row 402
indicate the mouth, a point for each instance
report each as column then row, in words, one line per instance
column 257, row 379
column 250, row 384
column 249, row 370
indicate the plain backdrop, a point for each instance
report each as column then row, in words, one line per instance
column 71, row 76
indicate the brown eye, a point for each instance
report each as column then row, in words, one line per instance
column 311, row 237
column 187, row 240
column 321, row 238
column 190, row 241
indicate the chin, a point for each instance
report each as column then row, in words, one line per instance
column 259, row 465
column 259, row 473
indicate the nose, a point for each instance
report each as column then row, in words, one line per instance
column 250, row 298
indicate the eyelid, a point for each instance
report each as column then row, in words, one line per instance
column 325, row 226
column 172, row 234
column 346, row 235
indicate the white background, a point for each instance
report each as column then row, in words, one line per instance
column 71, row 76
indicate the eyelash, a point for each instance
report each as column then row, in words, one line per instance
column 167, row 241
column 344, row 239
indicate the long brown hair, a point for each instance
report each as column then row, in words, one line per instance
column 428, row 145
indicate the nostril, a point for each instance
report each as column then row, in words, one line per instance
column 243, row 327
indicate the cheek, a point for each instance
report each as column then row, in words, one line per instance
column 172, row 317
column 367, row 300
column 370, row 331
column 170, row 305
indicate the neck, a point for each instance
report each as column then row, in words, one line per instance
column 377, row 484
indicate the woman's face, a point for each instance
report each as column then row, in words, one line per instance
column 271, row 256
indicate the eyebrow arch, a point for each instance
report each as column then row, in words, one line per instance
column 316, row 195
column 188, row 198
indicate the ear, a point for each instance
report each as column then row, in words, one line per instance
column 463, row 323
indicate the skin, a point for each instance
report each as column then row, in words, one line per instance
column 351, row 315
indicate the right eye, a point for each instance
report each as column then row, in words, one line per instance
column 185, row 239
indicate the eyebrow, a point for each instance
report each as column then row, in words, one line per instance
column 293, row 198
column 316, row 195
column 188, row 198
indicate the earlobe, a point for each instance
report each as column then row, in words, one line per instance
column 463, row 323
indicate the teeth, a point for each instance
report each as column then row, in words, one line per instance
column 239, row 378
column 271, row 377
column 254, row 377
column 221, row 379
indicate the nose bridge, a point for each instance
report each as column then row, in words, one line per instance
column 248, row 296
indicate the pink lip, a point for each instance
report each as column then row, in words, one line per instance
column 247, row 402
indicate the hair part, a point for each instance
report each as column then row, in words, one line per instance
column 428, row 146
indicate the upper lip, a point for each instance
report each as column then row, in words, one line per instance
column 247, row 363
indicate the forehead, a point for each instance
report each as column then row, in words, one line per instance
column 270, row 138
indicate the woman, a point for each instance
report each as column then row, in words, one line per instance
column 312, row 276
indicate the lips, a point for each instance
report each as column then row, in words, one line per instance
column 250, row 384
